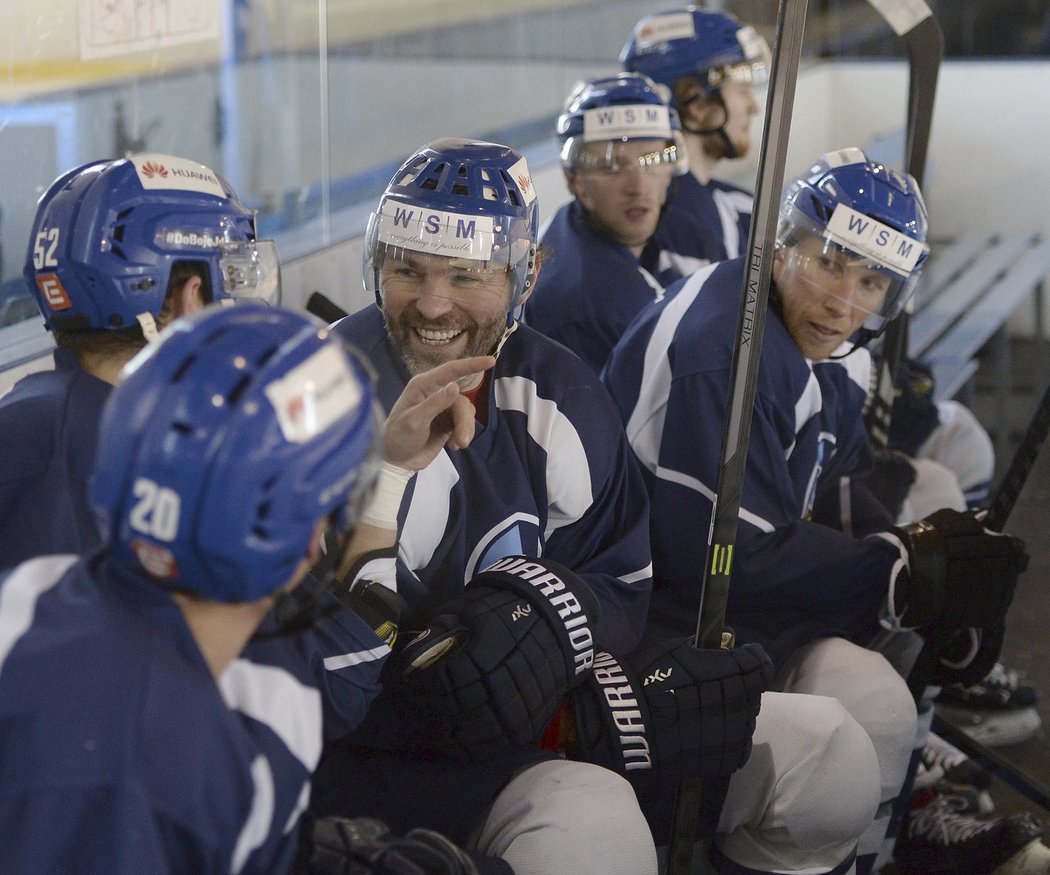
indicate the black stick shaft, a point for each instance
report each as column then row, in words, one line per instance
column 1020, row 466
column 780, row 97
column 924, row 47
column 743, row 377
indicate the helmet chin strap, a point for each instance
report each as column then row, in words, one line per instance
column 719, row 131
column 507, row 332
column 864, row 337
column 300, row 609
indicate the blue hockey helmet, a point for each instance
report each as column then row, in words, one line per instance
column 712, row 47
column 107, row 234
column 617, row 109
column 224, row 445
column 466, row 200
column 874, row 215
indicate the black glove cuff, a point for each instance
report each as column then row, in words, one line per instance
column 921, row 590
column 612, row 723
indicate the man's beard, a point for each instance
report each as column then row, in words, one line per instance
column 482, row 338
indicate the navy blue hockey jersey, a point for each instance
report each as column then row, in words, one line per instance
column 48, row 431
column 548, row 473
column 118, row 753
column 590, row 287
column 792, row 579
column 722, row 209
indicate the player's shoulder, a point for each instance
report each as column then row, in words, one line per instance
column 729, row 188
column 530, row 353
column 364, row 327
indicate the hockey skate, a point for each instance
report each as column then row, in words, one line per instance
column 946, row 769
column 936, row 839
column 997, row 711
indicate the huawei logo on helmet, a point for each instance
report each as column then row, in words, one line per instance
column 151, row 169
column 525, row 183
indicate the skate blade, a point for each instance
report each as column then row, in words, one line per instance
column 1032, row 859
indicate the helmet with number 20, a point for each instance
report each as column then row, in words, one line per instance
column 226, row 443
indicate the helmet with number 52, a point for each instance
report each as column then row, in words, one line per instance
column 108, row 235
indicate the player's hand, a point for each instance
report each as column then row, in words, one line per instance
column 694, row 709
column 959, row 573
column 493, row 666
column 365, row 846
column 432, row 413
column 670, row 713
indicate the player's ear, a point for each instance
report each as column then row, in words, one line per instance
column 572, row 180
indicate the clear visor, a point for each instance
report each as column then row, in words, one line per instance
column 251, row 271
column 754, row 74
column 870, row 288
column 623, row 156
column 405, row 275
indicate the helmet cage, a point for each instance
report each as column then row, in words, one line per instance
column 468, row 201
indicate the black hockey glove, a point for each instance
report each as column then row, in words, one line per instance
column 365, row 846
column 671, row 712
column 495, row 663
column 960, row 573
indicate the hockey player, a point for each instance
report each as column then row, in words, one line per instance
column 621, row 145
column 547, row 491
column 222, row 455
column 711, row 64
column 850, row 244
column 118, row 249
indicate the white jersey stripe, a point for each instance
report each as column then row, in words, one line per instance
column 568, row 471
column 345, row 660
column 19, row 594
column 257, row 827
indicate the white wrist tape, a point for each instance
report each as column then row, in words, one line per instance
column 386, row 501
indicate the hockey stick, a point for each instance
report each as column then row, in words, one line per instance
column 913, row 22
column 324, row 308
column 743, row 379
column 1020, row 466
column 743, row 375
column 999, row 509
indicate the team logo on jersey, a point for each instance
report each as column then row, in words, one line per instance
column 54, row 292
column 517, row 535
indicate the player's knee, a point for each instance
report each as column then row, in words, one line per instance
column 568, row 817
column 836, row 789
